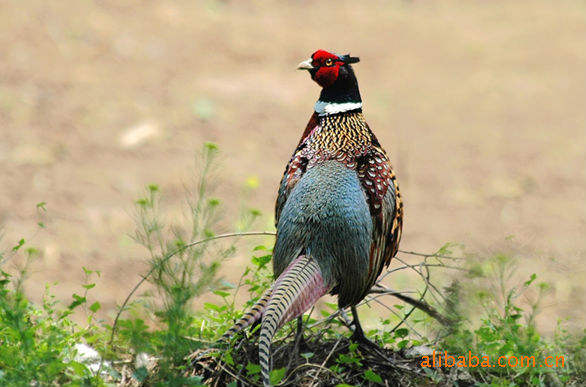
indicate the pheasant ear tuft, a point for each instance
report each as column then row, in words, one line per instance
column 350, row 59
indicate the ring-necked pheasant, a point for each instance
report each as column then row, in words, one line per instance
column 339, row 213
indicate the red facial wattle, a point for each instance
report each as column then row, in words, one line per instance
column 328, row 67
column 326, row 76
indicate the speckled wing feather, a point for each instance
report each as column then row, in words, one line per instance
column 386, row 207
column 349, row 140
column 295, row 168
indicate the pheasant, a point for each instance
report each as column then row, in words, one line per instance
column 339, row 213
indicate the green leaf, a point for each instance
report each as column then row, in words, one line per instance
column 228, row 358
column 215, row 307
column 87, row 271
column 347, row 359
column 277, row 375
column 18, row 245
column 221, row 293
column 32, row 251
column 88, row 286
column 261, row 261
column 77, row 301
column 372, row 376
column 95, row 306
column 530, row 280
column 210, row 146
column 227, row 284
column 401, row 332
column 445, row 249
column 252, row 368
column 337, row 369
column 78, row 368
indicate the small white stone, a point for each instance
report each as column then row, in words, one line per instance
column 143, row 359
column 90, row 357
column 139, row 134
column 418, row 351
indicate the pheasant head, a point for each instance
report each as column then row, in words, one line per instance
column 335, row 75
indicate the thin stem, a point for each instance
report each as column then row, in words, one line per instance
column 429, row 255
column 161, row 262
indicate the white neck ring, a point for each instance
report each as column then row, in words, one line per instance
column 327, row 108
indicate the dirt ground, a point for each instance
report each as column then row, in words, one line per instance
column 481, row 106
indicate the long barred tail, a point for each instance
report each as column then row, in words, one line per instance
column 250, row 317
column 247, row 319
column 294, row 292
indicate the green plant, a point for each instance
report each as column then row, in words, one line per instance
column 180, row 271
column 506, row 327
column 488, row 314
column 39, row 343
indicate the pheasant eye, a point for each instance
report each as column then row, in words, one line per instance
column 329, row 62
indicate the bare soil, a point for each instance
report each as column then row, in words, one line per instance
column 480, row 105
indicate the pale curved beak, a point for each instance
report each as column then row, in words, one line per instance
column 305, row 65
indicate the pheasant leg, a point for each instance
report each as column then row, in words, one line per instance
column 358, row 336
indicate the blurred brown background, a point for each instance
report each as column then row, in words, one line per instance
column 481, row 106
